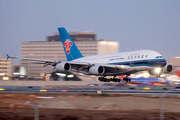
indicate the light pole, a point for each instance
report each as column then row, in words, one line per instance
column 36, row 113
column 162, row 104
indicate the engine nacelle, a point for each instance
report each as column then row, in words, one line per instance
column 96, row 70
column 63, row 66
column 168, row 68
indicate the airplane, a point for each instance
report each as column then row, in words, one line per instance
column 114, row 64
column 157, row 81
column 177, row 71
column 149, row 81
column 176, row 78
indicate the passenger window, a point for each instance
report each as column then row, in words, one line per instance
column 131, row 57
column 146, row 56
column 138, row 56
column 134, row 57
column 128, row 57
column 142, row 56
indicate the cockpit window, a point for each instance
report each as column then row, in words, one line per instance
column 158, row 56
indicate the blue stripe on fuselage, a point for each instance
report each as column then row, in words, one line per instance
column 148, row 62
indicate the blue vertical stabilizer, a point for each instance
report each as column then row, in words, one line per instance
column 70, row 49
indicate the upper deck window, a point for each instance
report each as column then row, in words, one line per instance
column 158, row 56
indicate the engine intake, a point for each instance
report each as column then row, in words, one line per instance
column 63, row 66
column 96, row 70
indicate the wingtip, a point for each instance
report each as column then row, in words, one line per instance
column 7, row 56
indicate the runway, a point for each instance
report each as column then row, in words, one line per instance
column 74, row 89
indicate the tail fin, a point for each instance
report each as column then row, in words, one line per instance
column 70, row 49
column 177, row 71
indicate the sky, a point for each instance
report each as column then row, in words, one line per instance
column 136, row 24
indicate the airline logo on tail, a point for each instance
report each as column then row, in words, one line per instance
column 68, row 45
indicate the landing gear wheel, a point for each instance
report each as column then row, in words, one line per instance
column 127, row 79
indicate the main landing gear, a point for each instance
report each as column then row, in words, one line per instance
column 126, row 79
column 103, row 79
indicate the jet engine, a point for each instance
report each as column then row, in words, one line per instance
column 168, row 68
column 63, row 66
column 158, row 71
column 96, row 70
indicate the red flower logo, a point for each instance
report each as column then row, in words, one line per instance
column 67, row 44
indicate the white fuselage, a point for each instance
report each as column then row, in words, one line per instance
column 140, row 60
column 120, row 57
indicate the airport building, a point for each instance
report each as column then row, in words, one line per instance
column 52, row 49
column 175, row 61
column 76, row 36
column 6, row 68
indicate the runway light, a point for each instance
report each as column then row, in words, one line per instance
column 1, row 89
column 146, row 88
column 5, row 78
column 63, row 90
column 43, row 90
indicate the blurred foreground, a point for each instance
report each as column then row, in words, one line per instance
column 87, row 107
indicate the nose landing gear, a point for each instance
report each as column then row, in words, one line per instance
column 126, row 79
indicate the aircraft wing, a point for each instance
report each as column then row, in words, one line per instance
column 122, row 69
column 83, row 66
column 39, row 61
column 32, row 59
column 109, row 69
column 51, row 62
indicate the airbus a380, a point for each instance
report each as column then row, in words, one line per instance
column 122, row 63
